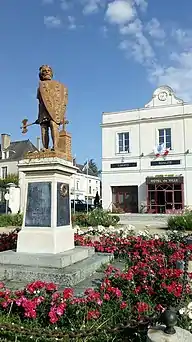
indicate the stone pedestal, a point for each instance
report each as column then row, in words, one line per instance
column 47, row 210
column 157, row 334
column 65, row 144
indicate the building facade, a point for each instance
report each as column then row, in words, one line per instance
column 147, row 156
column 85, row 185
column 11, row 152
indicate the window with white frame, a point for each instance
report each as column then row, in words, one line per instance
column 165, row 137
column 5, row 154
column 77, row 185
column 4, row 172
column 123, row 142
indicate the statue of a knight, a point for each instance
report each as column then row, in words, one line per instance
column 53, row 98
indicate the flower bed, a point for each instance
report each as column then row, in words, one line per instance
column 148, row 284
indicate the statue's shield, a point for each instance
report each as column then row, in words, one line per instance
column 54, row 96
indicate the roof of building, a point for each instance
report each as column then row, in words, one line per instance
column 17, row 150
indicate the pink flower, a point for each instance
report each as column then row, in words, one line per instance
column 99, row 302
column 123, row 305
column 106, row 297
column 38, row 300
column 61, row 309
column 52, row 315
column 55, row 296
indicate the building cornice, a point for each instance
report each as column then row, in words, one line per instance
column 146, row 108
column 148, row 120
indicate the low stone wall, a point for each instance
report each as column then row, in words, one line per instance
column 7, row 229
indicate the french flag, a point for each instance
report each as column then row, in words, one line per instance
column 166, row 152
column 160, row 150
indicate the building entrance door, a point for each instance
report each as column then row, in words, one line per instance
column 125, row 198
column 165, row 194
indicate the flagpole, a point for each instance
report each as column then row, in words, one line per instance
column 87, row 184
column 74, row 194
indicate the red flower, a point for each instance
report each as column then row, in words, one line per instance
column 94, row 314
column 2, row 285
column 51, row 287
column 123, row 305
column 142, row 307
column 68, row 293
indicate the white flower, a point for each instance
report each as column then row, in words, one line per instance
column 182, row 311
column 187, row 311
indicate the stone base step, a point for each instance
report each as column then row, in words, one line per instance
column 59, row 260
column 68, row 276
column 95, row 279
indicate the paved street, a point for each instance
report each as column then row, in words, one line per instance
column 144, row 221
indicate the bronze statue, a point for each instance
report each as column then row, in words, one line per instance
column 53, row 98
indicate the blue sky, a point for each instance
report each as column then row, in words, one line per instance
column 110, row 54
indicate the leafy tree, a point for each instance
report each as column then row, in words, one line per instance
column 11, row 178
column 93, row 167
column 96, row 200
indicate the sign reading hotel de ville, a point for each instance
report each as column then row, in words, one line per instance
column 164, row 180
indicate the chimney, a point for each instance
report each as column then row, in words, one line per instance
column 5, row 141
column 38, row 144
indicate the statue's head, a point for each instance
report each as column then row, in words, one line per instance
column 45, row 73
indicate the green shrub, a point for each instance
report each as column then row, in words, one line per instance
column 95, row 218
column 80, row 219
column 180, row 222
column 11, row 220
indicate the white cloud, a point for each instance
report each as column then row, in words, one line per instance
column 140, row 49
column 154, row 29
column 91, row 6
column 120, row 12
column 72, row 24
column 142, row 4
column 52, row 21
column 178, row 74
column 165, row 53
column 132, row 28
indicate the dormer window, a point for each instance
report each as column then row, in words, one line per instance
column 5, row 154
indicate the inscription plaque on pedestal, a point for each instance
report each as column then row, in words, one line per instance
column 63, row 208
column 38, row 209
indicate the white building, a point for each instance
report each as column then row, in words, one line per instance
column 133, row 174
column 85, row 185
